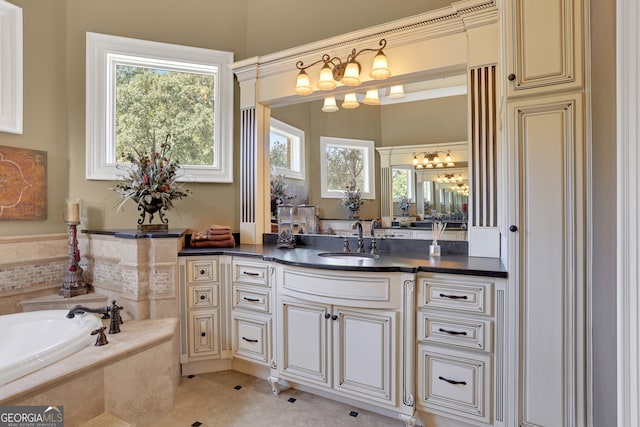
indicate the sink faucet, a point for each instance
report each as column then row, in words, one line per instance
column 358, row 225
column 374, row 242
column 114, row 309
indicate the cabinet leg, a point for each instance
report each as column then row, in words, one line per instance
column 275, row 386
column 409, row 420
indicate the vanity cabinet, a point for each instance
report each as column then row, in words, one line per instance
column 458, row 362
column 545, row 44
column 344, row 333
column 252, row 297
column 200, row 300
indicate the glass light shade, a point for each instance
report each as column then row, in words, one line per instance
column 425, row 160
column 415, row 160
column 350, row 101
column 303, row 84
column 326, row 81
column 448, row 158
column 429, row 165
column 396, row 91
column 380, row 67
column 330, row 105
column 436, row 159
column 351, row 74
column 450, row 164
column 72, row 211
column 371, row 98
column 440, row 165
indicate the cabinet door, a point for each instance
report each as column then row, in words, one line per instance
column 544, row 45
column 304, row 345
column 549, row 265
column 365, row 352
column 204, row 338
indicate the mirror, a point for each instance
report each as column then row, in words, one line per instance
column 433, row 111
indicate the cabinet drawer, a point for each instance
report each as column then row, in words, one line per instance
column 252, row 273
column 202, row 270
column 462, row 332
column 204, row 338
column 466, row 295
column 252, row 298
column 251, row 338
column 203, row 296
column 454, row 382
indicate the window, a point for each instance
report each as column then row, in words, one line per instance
column 286, row 150
column 402, row 182
column 10, row 68
column 139, row 92
column 343, row 161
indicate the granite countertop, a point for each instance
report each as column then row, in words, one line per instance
column 388, row 261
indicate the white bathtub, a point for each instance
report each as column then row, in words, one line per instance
column 32, row 340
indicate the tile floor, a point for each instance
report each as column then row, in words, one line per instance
column 214, row 399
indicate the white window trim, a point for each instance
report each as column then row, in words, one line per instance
column 11, row 80
column 369, row 192
column 103, row 51
column 297, row 149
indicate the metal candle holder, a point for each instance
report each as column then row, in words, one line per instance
column 73, row 284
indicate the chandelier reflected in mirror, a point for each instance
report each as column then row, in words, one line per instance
column 432, row 160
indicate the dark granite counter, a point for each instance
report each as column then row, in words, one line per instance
column 409, row 262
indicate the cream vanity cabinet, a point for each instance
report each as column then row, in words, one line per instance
column 200, row 300
column 252, row 307
column 460, row 347
column 345, row 333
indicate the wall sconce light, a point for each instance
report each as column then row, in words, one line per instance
column 431, row 160
column 330, row 105
column 371, row 98
column 396, row 92
column 347, row 72
column 350, row 101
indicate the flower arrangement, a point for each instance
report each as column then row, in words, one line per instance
column 404, row 205
column 151, row 178
column 352, row 198
column 278, row 194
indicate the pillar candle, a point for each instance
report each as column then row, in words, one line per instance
column 72, row 211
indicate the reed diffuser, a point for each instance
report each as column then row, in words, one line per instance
column 438, row 228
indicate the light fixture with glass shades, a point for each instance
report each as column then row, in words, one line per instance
column 350, row 101
column 371, row 98
column 347, row 72
column 330, row 105
column 396, row 92
column 432, row 160
column 449, row 177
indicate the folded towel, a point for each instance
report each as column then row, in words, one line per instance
column 219, row 237
column 199, row 235
column 228, row 243
column 213, row 227
column 218, row 232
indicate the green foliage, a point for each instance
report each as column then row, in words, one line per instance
column 399, row 183
column 344, row 168
column 150, row 102
column 279, row 153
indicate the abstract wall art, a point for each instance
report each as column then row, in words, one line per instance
column 23, row 184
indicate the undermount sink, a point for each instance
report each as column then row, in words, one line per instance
column 347, row 255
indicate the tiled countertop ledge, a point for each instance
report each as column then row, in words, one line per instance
column 389, row 261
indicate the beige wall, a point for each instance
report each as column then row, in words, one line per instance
column 54, row 82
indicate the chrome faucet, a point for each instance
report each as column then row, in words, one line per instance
column 358, row 225
column 374, row 242
column 108, row 312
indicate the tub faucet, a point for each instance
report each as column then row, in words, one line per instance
column 108, row 312
column 358, row 225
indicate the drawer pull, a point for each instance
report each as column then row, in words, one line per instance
column 453, row 296
column 249, row 340
column 202, row 297
column 203, row 271
column 452, row 381
column 452, row 332
column 251, row 299
column 248, row 273
column 203, row 334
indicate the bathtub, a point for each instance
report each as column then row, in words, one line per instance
column 35, row 339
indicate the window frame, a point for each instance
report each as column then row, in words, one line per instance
column 11, row 58
column 104, row 53
column 369, row 192
column 297, row 149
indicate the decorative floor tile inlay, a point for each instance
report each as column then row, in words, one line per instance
column 353, row 413
column 196, row 424
column 291, row 400
column 238, row 387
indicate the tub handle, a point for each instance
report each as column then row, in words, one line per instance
column 101, row 338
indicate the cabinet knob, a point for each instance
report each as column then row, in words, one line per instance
column 203, row 334
column 513, row 228
column 202, row 297
column 327, row 315
column 202, row 271
column 511, row 77
column 334, row 317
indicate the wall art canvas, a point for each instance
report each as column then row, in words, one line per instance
column 23, row 184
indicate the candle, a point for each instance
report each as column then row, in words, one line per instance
column 72, row 211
